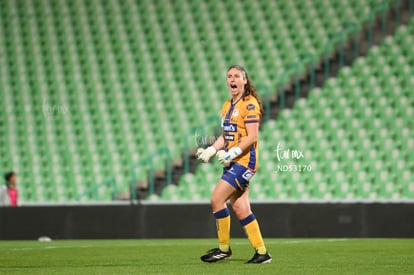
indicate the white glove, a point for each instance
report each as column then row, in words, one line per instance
column 204, row 155
column 225, row 158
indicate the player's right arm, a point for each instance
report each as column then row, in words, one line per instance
column 205, row 154
column 219, row 143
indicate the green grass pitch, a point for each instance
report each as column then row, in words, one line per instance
column 181, row 256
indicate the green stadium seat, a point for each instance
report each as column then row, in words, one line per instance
column 356, row 132
column 128, row 72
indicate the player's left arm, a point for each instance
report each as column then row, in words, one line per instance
column 252, row 130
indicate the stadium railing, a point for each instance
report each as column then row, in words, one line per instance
column 93, row 192
column 147, row 167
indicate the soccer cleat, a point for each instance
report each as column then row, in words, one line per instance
column 215, row 255
column 260, row 258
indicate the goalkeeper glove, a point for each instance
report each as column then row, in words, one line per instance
column 225, row 158
column 205, row 154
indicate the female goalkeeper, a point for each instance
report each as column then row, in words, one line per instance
column 237, row 151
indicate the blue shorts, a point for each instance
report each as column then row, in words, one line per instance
column 237, row 176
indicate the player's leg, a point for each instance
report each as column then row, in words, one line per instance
column 240, row 203
column 241, row 207
column 222, row 192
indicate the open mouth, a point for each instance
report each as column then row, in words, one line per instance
column 233, row 86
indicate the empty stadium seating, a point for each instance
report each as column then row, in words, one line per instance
column 355, row 134
column 91, row 87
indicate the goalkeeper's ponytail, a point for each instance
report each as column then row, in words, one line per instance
column 249, row 88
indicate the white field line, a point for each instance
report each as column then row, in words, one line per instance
column 167, row 243
column 299, row 241
column 47, row 247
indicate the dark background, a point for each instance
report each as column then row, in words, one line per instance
column 372, row 220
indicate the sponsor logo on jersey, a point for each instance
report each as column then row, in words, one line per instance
column 230, row 128
column 235, row 112
column 250, row 106
column 229, row 137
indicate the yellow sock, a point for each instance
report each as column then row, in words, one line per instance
column 251, row 226
column 223, row 229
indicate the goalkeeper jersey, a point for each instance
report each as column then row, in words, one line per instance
column 234, row 119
